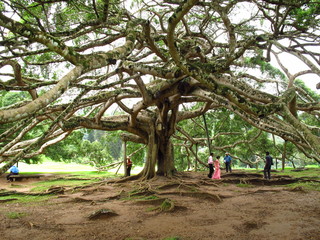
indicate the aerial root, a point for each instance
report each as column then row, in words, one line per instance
column 179, row 185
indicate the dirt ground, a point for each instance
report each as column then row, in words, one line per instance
column 189, row 207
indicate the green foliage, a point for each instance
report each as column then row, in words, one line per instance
column 66, row 150
column 77, row 149
column 45, row 185
column 311, row 93
column 265, row 67
column 9, row 98
column 82, row 23
column 94, row 153
column 36, row 159
column 313, row 173
column 110, row 141
column 27, row 199
column 306, row 16
column 304, row 186
column 229, row 129
column 15, row 215
column 91, row 174
column 139, row 157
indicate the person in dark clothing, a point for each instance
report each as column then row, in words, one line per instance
column 210, row 163
column 129, row 165
column 267, row 167
column 227, row 161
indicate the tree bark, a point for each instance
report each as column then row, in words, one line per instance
column 165, row 158
column 125, row 158
column 284, row 155
column 160, row 154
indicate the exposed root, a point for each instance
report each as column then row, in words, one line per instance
column 202, row 195
column 122, row 194
column 242, row 175
column 154, row 201
column 260, row 181
column 125, row 179
column 8, row 200
column 265, row 191
column 56, row 190
column 208, row 183
column 146, row 192
column 79, row 200
column 7, row 193
column 72, row 178
column 102, row 213
column 298, row 189
column 179, row 185
column 52, row 190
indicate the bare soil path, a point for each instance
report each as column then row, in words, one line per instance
column 189, row 207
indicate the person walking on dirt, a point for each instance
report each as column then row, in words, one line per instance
column 217, row 173
column 129, row 165
column 267, row 167
column 227, row 161
column 13, row 171
column 210, row 163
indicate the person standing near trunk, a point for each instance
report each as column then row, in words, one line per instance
column 129, row 165
column 210, row 163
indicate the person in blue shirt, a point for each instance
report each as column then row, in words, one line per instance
column 13, row 171
column 227, row 161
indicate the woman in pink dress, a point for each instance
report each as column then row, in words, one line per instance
column 216, row 164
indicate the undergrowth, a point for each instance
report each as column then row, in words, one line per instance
column 15, row 215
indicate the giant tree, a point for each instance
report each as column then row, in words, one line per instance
column 78, row 60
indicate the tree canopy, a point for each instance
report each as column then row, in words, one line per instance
column 66, row 65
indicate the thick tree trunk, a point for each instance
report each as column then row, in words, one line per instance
column 284, row 155
column 165, row 158
column 160, row 155
column 125, row 158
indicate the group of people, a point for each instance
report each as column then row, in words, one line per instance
column 214, row 166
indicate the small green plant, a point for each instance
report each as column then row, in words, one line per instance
column 15, row 215
column 166, row 206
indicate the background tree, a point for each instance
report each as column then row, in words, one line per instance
column 80, row 60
